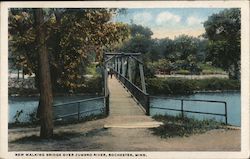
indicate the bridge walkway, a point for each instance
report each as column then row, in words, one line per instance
column 124, row 111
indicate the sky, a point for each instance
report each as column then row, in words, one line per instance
column 169, row 22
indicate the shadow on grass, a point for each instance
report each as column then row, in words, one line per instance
column 175, row 126
column 59, row 136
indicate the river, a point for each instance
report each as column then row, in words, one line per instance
column 29, row 105
column 232, row 99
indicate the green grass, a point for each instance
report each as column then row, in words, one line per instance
column 176, row 126
column 209, row 69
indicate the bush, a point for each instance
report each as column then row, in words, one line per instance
column 187, row 86
column 158, row 86
column 180, row 86
column 218, row 84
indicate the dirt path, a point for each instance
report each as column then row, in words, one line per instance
column 91, row 136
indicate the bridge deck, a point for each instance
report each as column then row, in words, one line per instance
column 124, row 111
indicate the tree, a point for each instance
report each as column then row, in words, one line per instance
column 60, row 40
column 139, row 40
column 223, row 32
column 185, row 45
column 46, row 98
column 73, row 36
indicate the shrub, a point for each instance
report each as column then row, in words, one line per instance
column 187, row 86
column 179, row 86
column 218, row 84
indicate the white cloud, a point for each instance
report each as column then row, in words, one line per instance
column 165, row 17
column 161, row 33
column 192, row 21
column 142, row 18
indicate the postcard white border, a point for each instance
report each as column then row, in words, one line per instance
column 244, row 5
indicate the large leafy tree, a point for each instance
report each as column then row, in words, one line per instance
column 185, row 46
column 223, row 32
column 72, row 35
column 138, row 41
column 68, row 37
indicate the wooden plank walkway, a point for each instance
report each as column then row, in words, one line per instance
column 124, row 111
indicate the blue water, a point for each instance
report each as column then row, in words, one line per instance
column 232, row 99
column 30, row 104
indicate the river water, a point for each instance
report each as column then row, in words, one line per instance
column 29, row 105
column 232, row 99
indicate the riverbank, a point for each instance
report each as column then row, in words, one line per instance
column 26, row 87
column 182, row 86
column 91, row 136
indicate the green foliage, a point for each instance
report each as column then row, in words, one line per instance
column 185, row 45
column 137, row 30
column 186, row 86
column 139, row 41
column 223, row 32
column 73, row 36
column 94, row 85
column 177, row 126
column 182, row 72
column 210, row 69
column 218, row 84
column 170, row 86
column 179, row 86
column 91, row 69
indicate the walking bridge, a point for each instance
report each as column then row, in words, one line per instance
column 125, row 112
column 127, row 104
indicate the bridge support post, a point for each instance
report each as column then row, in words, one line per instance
column 105, row 80
column 123, row 66
column 129, row 70
column 142, row 78
column 115, row 64
column 119, row 66
column 147, row 105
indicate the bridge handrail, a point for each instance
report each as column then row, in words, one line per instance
column 198, row 100
column 189, row 111
column 141, row 97
column 78, row 112
column 131, row 83
column 77, row 101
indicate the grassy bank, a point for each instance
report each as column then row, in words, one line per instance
column 177, row 126
column 188, row 86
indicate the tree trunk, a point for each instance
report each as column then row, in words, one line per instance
column 46, row 98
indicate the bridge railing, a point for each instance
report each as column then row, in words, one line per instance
column 183, row 110
column 79, row 109
column 139, row 95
